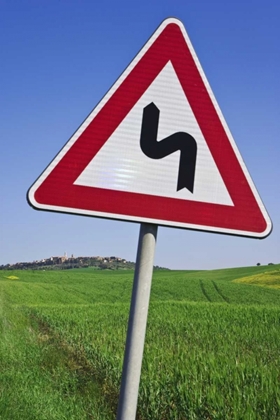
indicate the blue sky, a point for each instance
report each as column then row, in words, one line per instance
column 58, row 59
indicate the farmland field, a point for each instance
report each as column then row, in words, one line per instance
column 211, row 352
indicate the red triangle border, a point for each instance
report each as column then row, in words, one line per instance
column 55, row 189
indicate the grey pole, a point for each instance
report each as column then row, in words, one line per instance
column 137, row 322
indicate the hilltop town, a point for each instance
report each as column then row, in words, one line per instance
column 66, row 263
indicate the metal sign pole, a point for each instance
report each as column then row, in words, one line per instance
column 137, row 322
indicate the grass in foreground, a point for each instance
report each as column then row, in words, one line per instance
column 212, row 347
column 202, row 361
column 41, row 378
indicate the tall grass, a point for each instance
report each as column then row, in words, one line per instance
column 211, row 352
column 201, row 360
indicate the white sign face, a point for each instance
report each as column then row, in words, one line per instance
column 121, row 165
column 156, row 149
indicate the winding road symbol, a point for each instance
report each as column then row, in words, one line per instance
column 159, row 149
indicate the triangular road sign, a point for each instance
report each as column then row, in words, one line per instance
column 156, row 149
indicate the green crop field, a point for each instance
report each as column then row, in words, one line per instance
column 211, row 352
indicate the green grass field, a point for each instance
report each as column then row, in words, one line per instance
column 211, row 352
